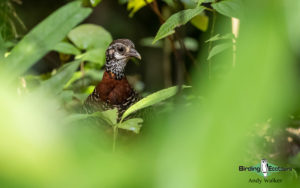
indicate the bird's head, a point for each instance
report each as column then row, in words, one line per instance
column 117, row 56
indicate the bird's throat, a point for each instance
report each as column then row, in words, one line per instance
column 116, row 67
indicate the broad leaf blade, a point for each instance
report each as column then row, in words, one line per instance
column 176, row 20
column 57, row 82
column 133, row 125
column 230, row 8
column 44, row 37
column 201, row 22
column 152, row 99
column 109, row 116
column 90, row 36
column 95, row 55
column 66, row 48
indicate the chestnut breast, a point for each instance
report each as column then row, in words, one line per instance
column 113, row 91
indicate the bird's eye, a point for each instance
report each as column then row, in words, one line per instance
column 121, row 49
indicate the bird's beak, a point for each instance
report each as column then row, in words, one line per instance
column 134, row 53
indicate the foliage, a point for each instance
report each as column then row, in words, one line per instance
column 236, row 116
column 90, row 38
column 230, row 8
column 56, row 83
column 151, row 100
column 218, row 49
column 176, row 20
column 43, row 38
column 9, row 20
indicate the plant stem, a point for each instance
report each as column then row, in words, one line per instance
column 210, row 43
column 82, row 68
column 115, row 130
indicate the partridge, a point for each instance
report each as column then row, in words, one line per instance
column 114, row 91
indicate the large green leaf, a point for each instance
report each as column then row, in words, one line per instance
column 66, row 48
column 176, row 20
column 94, row 55
column 152, row 99
column 90, row 36
column 43, row 38
column 57, row 82
column 230, row 8
column 133, row 125
column 109, row 116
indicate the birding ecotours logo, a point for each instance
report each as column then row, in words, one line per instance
column 264, row 168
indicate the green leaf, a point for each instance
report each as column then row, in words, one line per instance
column 89, row 89
column 95, row 55
column 110, row 116
column 170, row 3
column 94, row 3
column 133, row 125
column 56, row 83
column 218, row 49
column 43, row 38
column 90, row 36
column 176, row 20
column 66, row 96
column 200, row 22
column 230, row 8
column 91, row 74
column 190, row 43
column 220, row 37
column 199, row 2
column 90, row 3
column 66, row 48
column 77, row 75
column 152, row 99
column 135, row 5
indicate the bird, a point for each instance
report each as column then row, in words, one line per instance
column 114, row 90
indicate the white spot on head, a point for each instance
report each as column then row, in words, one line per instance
column 119, row 56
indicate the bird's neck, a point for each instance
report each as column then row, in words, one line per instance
column 116, row 67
